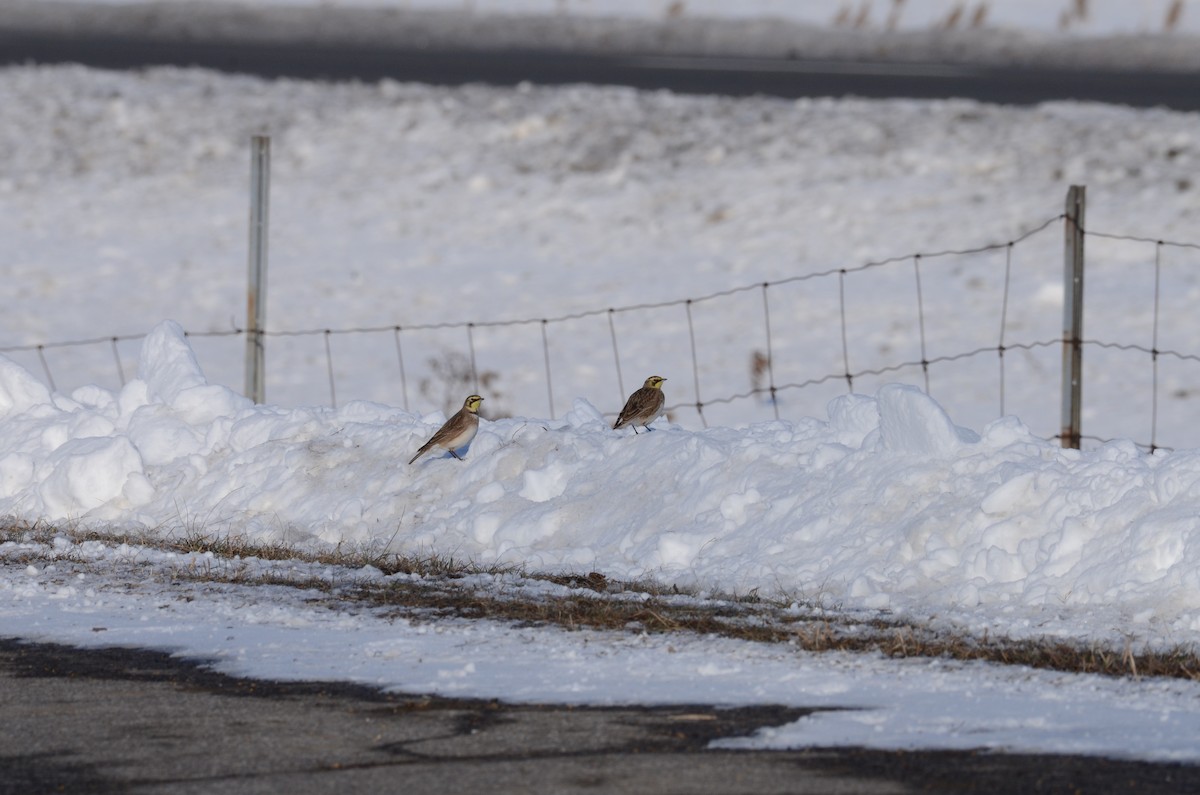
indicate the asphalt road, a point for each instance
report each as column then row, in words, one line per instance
column 132, row 721
column 783, row 77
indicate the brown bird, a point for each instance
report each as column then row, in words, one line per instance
column 644, row 406
column 457, row 431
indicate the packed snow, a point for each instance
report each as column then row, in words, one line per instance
column 411, row 205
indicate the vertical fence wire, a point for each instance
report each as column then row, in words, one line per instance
column 1154, row 351
column 329, row 369
column 612, row 331
column 41, row 352
column 403, row 376
column 770, row 348
column 117, row 357
column 695, row 363
column 921, row 320
column 1004, row 318
column 845, row 345
column 546, row 359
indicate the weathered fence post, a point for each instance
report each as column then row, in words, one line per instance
column 1072, row 371
column 256, row 293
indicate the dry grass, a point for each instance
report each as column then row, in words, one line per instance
column 438, row 588
column 767, row 624
column 971, row 15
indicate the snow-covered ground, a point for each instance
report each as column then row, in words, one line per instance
column 408, row 205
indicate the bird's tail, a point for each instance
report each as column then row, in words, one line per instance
column 420, row 453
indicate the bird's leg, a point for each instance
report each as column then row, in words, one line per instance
column 456, row 455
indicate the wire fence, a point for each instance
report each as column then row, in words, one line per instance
column 1152, row 351
column 827, row 332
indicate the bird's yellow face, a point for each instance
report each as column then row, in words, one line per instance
column 472, row 404
column 654, row 382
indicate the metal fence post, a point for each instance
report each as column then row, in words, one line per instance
column 256, row 292
column 1072, row 372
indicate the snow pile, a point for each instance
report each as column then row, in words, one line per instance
column 885, row 505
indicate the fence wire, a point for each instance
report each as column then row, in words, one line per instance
column 768, row 392
column 1153, row 352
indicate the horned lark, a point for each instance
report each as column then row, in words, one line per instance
column 644, row 406
column 458, row 430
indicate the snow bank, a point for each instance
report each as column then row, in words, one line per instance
column 884, row 505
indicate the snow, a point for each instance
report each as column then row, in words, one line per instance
column 885, row 504
column 409, row 204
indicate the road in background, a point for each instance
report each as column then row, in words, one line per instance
column 731, row 76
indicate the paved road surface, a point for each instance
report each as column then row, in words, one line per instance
column 781, row 77
column 130, row 721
